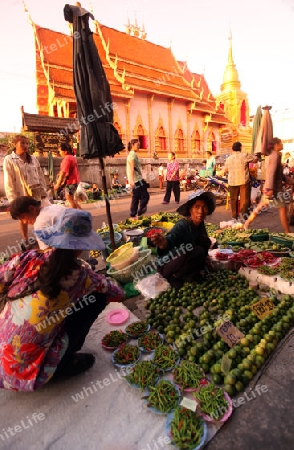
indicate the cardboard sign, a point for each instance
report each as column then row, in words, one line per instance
column 229, row 333
column 263, row 307
column 188, row 403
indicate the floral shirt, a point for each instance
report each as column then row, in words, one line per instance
column 173, row 168
column 32, row 336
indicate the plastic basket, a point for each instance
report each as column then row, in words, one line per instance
column 259, row 237
column 105, row 236
column 128, row 274
column 284, row 242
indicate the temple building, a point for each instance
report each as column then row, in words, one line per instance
column 156, row 98
column 234, row 103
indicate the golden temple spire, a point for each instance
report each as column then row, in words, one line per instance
column 231, row 77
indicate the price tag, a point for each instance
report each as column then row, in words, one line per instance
column 263, row 308
column 226, row 363
column 189, row 404
column 229, row 333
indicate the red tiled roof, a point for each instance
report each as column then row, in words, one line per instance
column 141, row 66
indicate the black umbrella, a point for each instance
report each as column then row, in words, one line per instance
column 98, row 136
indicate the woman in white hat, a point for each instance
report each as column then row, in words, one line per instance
column 49, row 303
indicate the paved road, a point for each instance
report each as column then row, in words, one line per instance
column 10, row 236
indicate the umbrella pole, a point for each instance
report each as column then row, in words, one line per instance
column 107, row 204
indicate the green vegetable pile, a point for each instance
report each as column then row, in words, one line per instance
column 188, row 374
column 186, row 429
column 212, row 401
column 136, row 329
column 144, row 374
column 165, row 357
column 126, row 354
column 163, row 397
column 114, row 339
column 150, row 341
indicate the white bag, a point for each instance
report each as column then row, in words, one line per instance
column 255, row 193
column 80, row 194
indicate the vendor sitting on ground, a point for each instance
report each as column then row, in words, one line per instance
column 115, row 183
column 96, row 191
column 183, row 251
column 51, row 301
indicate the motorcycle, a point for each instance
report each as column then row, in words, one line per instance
column 187, row 182
column 219, row 187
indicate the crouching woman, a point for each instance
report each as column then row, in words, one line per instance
column 49, row 302
column 182, row 252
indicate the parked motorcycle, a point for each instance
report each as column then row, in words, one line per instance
column 187, row 181
column 220, row 188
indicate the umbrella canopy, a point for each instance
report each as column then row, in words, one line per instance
column 98, row 136
column 255, row 126
column 265, row 132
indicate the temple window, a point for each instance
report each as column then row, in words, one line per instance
column 142, row 137
column 179, row 141
column 195, row 143
column 213, row 144
column 162, row 139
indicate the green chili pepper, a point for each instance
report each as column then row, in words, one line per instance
column 186, row 429
column 164, row 396
column 212, row 401
column 144, row 374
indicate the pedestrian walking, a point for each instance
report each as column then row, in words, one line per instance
column 237, row 168
column 68, row 177
column 161, row 176
column 172, row 179
column 140, row 194
column 23, row 176
column 273, row 194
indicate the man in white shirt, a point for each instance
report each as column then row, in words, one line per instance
column 237, row 168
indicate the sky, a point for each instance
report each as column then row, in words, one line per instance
column 197, row 31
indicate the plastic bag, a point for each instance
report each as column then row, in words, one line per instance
column 80, row 194
column 255, row 193
column 152, row 285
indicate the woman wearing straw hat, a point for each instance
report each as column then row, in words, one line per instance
column 49, row 303
column 182, row 252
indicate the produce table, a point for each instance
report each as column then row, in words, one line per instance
column 96, row 410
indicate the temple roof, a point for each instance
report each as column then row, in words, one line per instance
column 36, row 122
column 130, row 63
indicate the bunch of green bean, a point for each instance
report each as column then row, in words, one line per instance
column 186, row 429
column 164, row 396
column 188, row 374
column 212, row 401
column 165, row 357
column 144, row 374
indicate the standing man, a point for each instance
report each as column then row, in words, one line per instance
column 140, row 194
column 237, row 168
column 161, row 176
column 172, row 179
